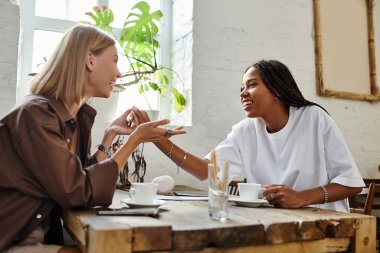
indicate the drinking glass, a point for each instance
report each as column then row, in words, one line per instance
column 217, row 192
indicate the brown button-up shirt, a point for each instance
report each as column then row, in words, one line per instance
column 38, row 171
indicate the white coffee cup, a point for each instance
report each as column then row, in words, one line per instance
column 143, row 193
column 250, row 191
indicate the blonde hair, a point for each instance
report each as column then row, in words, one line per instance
column 63, row 75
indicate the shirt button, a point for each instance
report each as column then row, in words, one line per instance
column 68, row 140
column 39, row 216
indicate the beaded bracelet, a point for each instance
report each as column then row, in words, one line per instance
column 103, row 149
column 325, row 193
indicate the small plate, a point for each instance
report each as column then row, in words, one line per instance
column 132, row 204
column 256, row 203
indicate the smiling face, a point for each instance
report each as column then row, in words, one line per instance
column 102, row 72
column 255, row 97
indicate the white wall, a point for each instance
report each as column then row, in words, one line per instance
column 229, row 35
column 9, row 34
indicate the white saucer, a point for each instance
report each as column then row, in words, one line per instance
column 132, row 204
column 255, row 203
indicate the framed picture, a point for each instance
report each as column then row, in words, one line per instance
column 345, row 49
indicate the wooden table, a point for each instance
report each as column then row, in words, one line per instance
column 186, row 226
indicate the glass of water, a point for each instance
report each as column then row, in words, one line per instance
column 217, row 192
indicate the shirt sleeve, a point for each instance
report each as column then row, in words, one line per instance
column 228, row 150
column 341, row 167
column 57, row 171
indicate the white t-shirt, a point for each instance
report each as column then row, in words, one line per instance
column 308, row 152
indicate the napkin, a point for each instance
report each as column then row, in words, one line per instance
column 165, row 183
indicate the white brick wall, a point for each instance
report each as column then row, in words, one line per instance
column 182, row 55
column 9, row 33
column 230, row 35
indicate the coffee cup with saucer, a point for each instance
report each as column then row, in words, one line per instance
column 143, row 195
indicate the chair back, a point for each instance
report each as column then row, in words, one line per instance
column 233, row 186
column 373, row 197
column 363, row 202
column 376, row 197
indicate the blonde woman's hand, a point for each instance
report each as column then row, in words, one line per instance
column 143, row 117
column 125, row 124
column 152, row 132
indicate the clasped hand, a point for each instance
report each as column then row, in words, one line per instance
column 137, row 122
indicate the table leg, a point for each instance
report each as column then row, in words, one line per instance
column 365, row 235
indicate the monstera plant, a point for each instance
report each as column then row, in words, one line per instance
column 137, row 40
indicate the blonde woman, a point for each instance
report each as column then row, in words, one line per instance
column 46, row 139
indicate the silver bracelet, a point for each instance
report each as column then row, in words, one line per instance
column 325, row 193
column 103, row 149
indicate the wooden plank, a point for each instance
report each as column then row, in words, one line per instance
column 102, row 239
column 231, row 237
column 281, row 232
column 74, row 226
column 152, row 238
column 193, row 240
column 237, row 236
column 147, row 233
column 365, row 235
column 325, row 245
column 309, row 230
column 338, row 228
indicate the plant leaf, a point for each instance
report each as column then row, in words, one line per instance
column 179, row 100
column 139, row 31
column 155, row 86
column 103, row 18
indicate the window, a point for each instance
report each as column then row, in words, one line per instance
column 44, row 22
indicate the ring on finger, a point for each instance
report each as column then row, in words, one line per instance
column 169, row 133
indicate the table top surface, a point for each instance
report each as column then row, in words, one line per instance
column 187, row 215
column 186, row 225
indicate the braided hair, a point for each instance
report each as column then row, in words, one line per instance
column 280, row 82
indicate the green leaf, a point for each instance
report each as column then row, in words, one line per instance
column 139, row 31
column 109, row 17
column 179, row 100
column 103, row 17
column 177, row 107
column 154, row 86
column 141, row 89
column 164, row 79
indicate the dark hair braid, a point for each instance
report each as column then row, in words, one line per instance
column 278, row 79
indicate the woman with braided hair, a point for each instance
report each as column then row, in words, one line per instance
column 287, row 143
